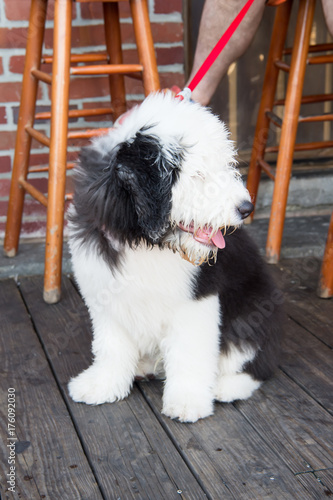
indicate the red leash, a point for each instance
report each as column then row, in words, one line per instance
column 216, row 50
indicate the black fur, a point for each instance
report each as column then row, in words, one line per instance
column 250, row 302
column 126, row 193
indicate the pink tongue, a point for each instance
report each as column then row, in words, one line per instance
column 218, row 240
column 204, row 236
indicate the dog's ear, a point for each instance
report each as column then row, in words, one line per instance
column 147, row 175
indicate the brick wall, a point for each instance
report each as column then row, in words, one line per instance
column 87, row 36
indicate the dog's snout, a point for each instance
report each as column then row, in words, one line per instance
column 245, row 209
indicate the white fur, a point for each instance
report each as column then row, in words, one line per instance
column 134, row 318
column 143, row 314
column 231, row 383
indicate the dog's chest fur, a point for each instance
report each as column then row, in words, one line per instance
column 145, row 291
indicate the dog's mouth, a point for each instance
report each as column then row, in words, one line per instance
column 206, row 235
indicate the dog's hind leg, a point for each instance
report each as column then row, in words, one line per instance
column 232, row 382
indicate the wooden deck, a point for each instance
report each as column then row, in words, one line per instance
column 277, row 445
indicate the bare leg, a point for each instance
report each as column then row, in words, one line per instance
column 328, row 12
column 216, row 17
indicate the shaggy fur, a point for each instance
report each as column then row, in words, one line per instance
column 153, row 200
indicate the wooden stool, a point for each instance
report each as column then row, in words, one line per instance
column 57, row 142
column 325, row 288
column 299, row 60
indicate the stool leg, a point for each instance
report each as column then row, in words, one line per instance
column 113, row 45
column 289, row 128
column 145, row 44
column 26, row 118
column 279, row 34
column 58, row 149
column 325, row 289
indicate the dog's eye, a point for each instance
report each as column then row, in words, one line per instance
column 199, row 174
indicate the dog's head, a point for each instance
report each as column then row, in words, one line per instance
column 165, row 176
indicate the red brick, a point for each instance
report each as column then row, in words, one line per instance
column 5, row 164
column 163, row 7
column 3, row 208
column 19, row 10
column 10, row 91
column 83, row 36
column 89, row 87
column 31, row 228
column 167, row 32
column 33, row 207
column 7, row 140
column 16, row 64
column 13, row 38
column 171, row 55
column 3, row 115
column 1, row 66
column 133, row 86
column 167, row 80
column 94, row 10
column 167, row 55
column 4, row 187
column 39, row 183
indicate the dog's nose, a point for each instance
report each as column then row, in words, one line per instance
column 245, row 209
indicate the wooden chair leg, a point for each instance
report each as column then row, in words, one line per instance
column 325, row 289
column 289, row 128
column 58, row 149
column 113, row 45
column 144, row 41
column 26, row 118
column 279, row 34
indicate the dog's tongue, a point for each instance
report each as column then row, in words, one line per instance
column 204, row 236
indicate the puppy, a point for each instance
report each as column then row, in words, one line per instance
column 173, row 290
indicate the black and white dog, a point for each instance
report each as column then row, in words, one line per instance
column 170, row 286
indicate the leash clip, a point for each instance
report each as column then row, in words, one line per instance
column 184, row 95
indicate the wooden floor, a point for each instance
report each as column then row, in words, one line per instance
column 277, row 445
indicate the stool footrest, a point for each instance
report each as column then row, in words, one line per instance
column 282, row 65
column 308, row 146
column 87, row 134
column 328, row 58
column 34, row 192
column 266, row 168
column 39, row 136
column 106, row 69
column 308, row 99
column 77, row 113
column 45, row 168
column 316, row 118
column 76, row 58
column 319, row 47
column 274, row 118
column 41, row 75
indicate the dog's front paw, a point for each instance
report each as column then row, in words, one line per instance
column 187, row 407
column 95, row 386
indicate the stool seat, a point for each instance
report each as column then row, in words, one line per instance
column 65, row 65
column 302, row 55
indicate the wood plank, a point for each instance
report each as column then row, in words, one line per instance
column 293, row 425
column 298, row 278
column 318, row 484
column 309, row 362
column 131, row 455
column 50, row 462
column 225, row 451
column 325, row 477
